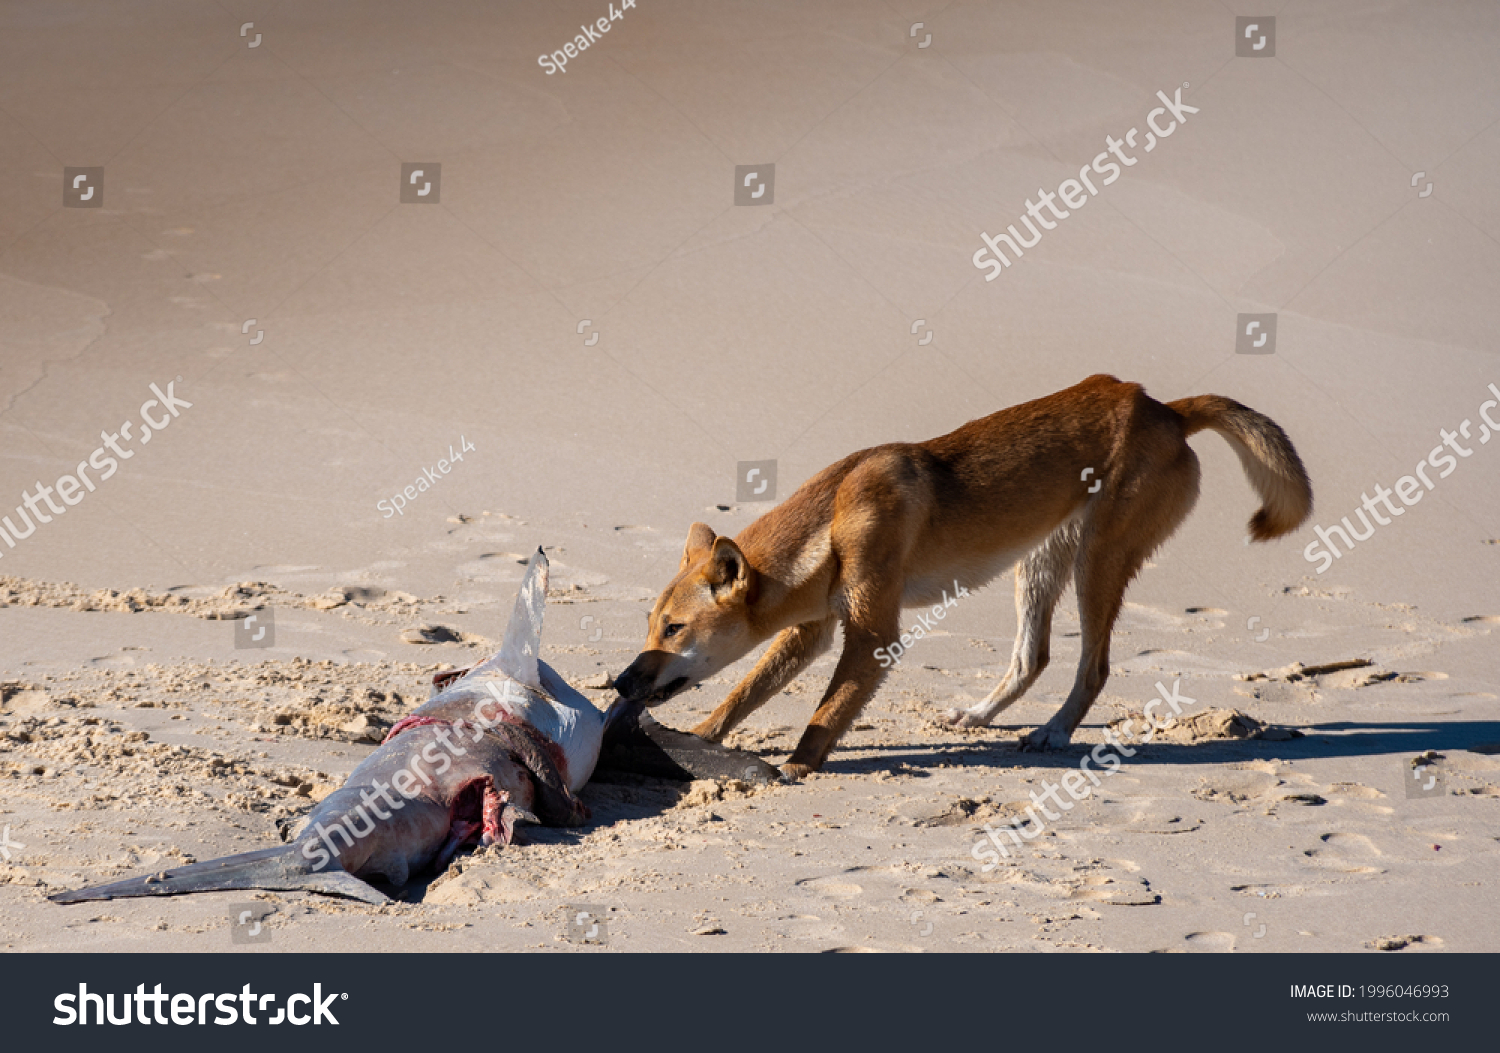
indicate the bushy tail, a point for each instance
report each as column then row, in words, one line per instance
column 282, row 868
column 1267, row 455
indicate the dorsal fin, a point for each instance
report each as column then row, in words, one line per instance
column 522, row 646
column 523, row 636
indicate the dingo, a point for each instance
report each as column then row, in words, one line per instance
column 894, row 526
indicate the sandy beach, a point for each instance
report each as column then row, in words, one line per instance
column 353, row 409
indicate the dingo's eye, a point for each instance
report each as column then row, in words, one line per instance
column 671, row 630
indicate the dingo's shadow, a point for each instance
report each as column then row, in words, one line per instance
column 1340, row 738
column 617, row 795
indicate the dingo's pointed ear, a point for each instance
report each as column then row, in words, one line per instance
column 699, row 540
column 728, row 572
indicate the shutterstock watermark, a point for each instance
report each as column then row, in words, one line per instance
column 1407, row 488
column 586, row 924
column 1078, row 784
column 74, row 487
column 186, row 1010
column 755, row 481
column 410, row 780
column 889, row 656
column 1423, row 777
column 1071, row 191
column 247, row 922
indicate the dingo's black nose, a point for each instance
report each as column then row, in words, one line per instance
column 629, row 685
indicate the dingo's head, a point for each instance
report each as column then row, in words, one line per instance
column 700, row 624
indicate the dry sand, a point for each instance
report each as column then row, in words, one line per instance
column 262, row 184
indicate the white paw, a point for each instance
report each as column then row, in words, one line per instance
column 1046, row 738
column 963, row 718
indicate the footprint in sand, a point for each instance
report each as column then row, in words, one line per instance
column 1117, row 889
column 941, row 812
column 831, row 887
column 434, row 634
column 1269, row 891
column 360, row 596
column 1275, row 694
column 1138, row 816
column 1164, row 825
column 362, row 593
column 116, row 661
column 1239, row 787
column 1405, row 943
column 493, row 567
column 898, row 883
column 1359, row 796
column 1353, row 679
column 807, row 927
column 18, row 699
column 1209, row 942
column 1347, row 853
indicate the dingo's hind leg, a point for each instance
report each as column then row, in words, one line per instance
column 1040, row 580
column 1121, row 530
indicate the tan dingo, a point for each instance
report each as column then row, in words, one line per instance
column 1083, row 484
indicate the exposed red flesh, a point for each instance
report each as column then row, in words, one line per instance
column 481, row 815
column 411, row 722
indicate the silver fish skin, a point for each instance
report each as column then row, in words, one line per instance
column 508, row 741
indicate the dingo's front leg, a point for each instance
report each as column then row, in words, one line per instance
column 855, row 679
column 790, row 653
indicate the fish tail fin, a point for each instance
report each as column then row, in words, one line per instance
column 281, row 869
